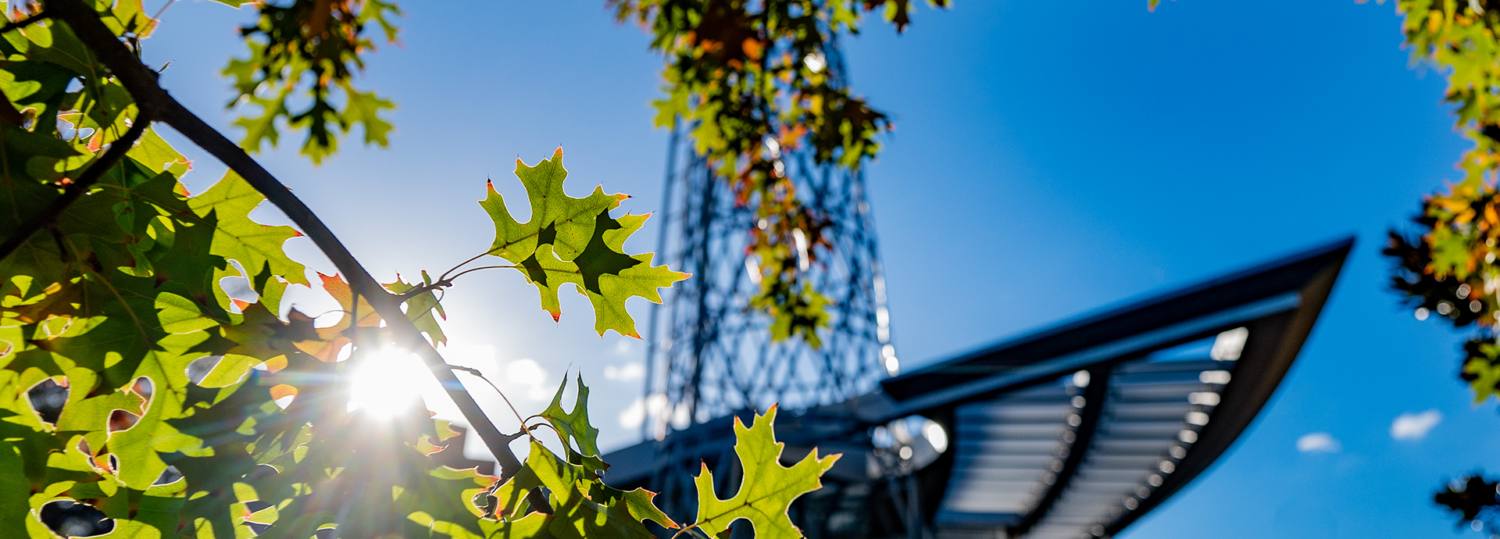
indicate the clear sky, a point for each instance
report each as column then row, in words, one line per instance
column 1052, row 158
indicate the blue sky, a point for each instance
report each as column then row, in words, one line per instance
column 1052, row 157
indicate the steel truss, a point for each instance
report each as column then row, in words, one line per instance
column 709, row 354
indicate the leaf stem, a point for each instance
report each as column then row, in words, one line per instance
column 163, row 9
column 443, row 282
column 471, row 270
column 685, row 529
column 481, row 376
column 444, row 276
column 560, row 438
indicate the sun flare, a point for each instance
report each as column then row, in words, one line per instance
column 387, row 383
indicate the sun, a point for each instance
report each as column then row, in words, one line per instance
column 387, row 383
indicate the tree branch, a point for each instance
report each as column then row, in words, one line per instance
column 10, row 114
column 142, row 84
column 80, row 186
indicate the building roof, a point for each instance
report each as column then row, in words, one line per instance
column 1073, row 431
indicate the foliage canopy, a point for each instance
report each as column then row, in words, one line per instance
column 1446, row 268
column 139, row 398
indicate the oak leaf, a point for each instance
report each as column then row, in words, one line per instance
column 768, row 489
column 574, row 241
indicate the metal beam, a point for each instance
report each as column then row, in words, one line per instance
column 1094, row 397
column 1083, row 359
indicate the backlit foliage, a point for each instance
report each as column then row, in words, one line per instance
column 309, row 51
column 140, row 398
column 751, row 81
column 1446, row 268
column 575, row 241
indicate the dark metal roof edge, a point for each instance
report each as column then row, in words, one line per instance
column 874, row 405
column 1249, row 396
column 1334, row 252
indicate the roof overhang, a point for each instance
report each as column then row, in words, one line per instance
column 1118, row 431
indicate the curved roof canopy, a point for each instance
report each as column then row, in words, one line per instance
column 1071, row 432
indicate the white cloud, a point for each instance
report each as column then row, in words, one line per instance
column 630, row 371
column 625, row 346
column 1415, row 426
column 527, row 373
column 633, row 416
column 481, row 357
column 1318, row 442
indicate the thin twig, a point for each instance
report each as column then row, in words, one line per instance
column 422, row 289
column 480, row 375
column 142, row 84
column 163, row 9
column 686, row 528
column 10, row 114
column 472, row 270
column 445, row 283
column 28, row 21
column 80, row 186
column 444, row 276
column 560, row 437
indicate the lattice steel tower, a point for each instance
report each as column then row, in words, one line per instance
column 708, row 353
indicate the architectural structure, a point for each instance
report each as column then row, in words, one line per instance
column 1071, row 432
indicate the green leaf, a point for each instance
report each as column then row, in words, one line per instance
column 181, row 315
column 575, row 241
column 599, row 512
column 557, row 219
column 262, row 129
column 1450, row 253
column 157, row 155
column 14, row 488
column 767, row 489
column 575, row 425
column 364, row 108
column 614, row 287
column 240, row 238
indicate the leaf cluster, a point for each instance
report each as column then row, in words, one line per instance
column 584, row 506
column 1472, row 498
column 134, row 389
column 574, row 241
column 754, row 82
column 140, row 397
column 303, row 57
column 1448, row 266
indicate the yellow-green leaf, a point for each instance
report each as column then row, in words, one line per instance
column 768, row 488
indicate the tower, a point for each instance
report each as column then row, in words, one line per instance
column 708, row 353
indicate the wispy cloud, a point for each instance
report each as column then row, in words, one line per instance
column 633, row 370
column 624, row 347
column 1414, row 426
column 530, row 375
column 1318, row 442
column 636, row 414
column 633, row 416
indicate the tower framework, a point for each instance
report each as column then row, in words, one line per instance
column 709, row 353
